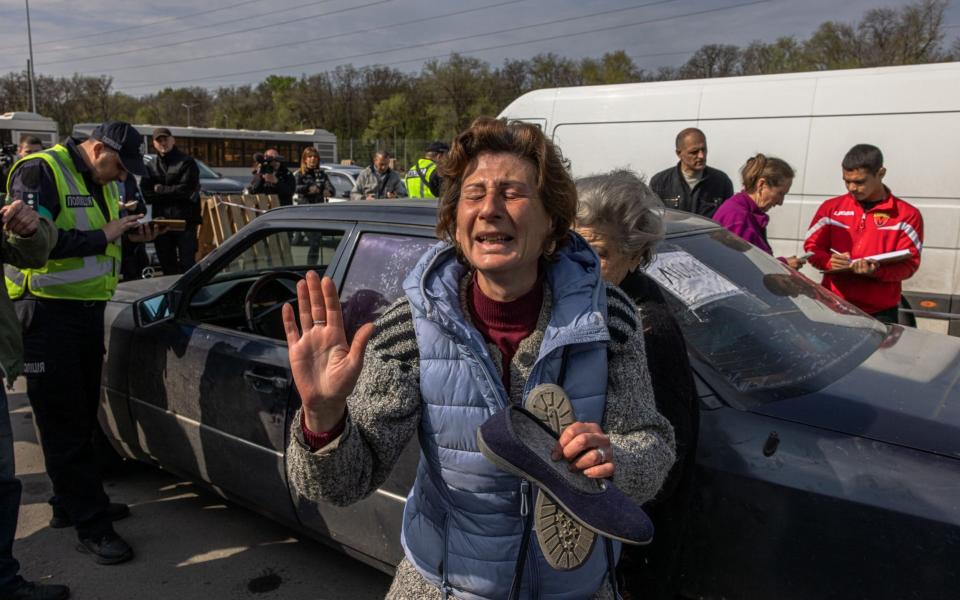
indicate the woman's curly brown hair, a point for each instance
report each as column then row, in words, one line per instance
column 554, row 184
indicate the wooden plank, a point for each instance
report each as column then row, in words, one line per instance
column 206, row 241
column 285, row 253
column 224, row 216
column 224, row 230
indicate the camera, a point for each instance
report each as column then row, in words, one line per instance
column 265, row 163
column 8, row 155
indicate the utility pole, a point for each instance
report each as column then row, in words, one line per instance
column 33, row 87
column 188, row 107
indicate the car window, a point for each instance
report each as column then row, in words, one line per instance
column 341, row 183
column 223, row 297
column 767, row 330
column 293, row 250
column 375, row 277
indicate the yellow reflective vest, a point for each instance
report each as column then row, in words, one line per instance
column 417, row 178
column 75, row 278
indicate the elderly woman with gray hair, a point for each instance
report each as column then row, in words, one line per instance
column 622, row 219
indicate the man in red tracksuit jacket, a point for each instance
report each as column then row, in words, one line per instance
column 866, row 221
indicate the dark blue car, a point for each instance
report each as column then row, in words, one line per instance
column 829, row 452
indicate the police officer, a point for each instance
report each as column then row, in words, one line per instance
column 61, row 307
column 422, row 179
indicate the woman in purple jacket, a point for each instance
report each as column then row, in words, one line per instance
column 766, row 180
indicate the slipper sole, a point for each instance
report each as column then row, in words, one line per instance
column 565, row 543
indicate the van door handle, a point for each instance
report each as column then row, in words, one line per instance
column 266, row 383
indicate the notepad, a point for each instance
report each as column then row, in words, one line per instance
column 882, row 258
column 886, row 257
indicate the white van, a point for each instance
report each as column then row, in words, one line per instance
column 810, row 120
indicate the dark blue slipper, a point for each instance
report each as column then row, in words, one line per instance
column 517, row 441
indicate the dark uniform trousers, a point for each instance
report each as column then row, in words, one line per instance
column 63, row 359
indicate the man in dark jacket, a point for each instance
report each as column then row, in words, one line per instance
column 691, row 185
column 273, row 177
column 172, row 187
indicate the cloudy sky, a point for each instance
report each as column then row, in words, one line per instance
column 148, row 46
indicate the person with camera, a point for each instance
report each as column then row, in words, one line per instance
column 172, row 187
column 10, row 154
column 271, row 176
column 378, row 180
column 311, row 182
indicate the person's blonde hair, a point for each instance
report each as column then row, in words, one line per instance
column 308, row 151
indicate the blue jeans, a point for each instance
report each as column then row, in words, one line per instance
column 9, row 499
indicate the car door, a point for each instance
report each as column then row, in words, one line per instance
column 370, row 279
column 214, row 397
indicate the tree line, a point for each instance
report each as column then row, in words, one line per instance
column 379, row 104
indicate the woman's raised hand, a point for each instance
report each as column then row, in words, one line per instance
column 324, row 367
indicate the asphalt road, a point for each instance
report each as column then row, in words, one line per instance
column 189, row 542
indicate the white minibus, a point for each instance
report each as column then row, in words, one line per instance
column 17, row 125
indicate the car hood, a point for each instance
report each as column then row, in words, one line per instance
column 131, row 291
column 906, row 393
column 223, row 185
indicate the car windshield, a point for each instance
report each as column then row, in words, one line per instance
column 206, row 172
column 763, row 328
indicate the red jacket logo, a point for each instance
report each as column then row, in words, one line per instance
column 880, row 219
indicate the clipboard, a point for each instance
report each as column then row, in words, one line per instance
column 170, row 224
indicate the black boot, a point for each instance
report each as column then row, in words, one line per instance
column 107, row 549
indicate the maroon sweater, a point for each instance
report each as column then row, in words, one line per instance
column 506, row 324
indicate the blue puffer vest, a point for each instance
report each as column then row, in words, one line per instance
column 462, row 523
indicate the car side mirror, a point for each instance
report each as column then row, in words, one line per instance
column 346, row 194
column 154, row 309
